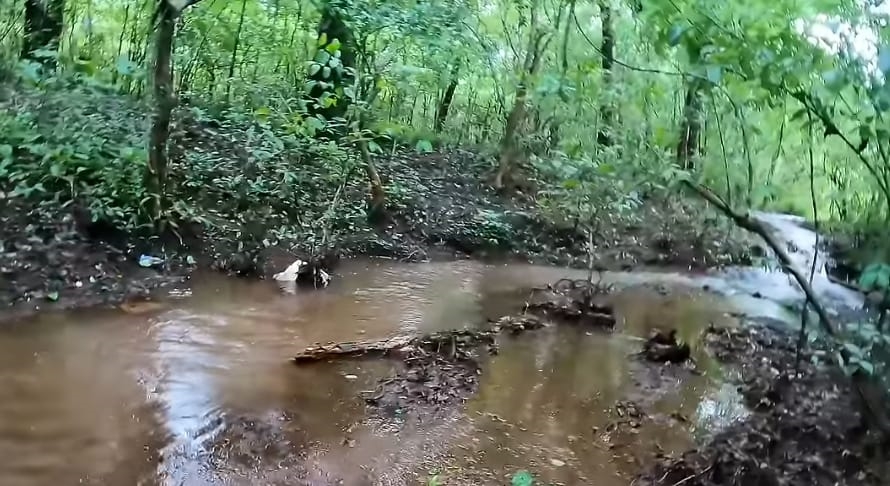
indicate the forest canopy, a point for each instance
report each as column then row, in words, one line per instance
column 773, row 104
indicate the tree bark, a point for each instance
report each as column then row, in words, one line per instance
column 155, row 177
column 447, row 98
column 333, row 27
column 43, row 28
column 509, row 145
column 607, row 113
column 690, row 132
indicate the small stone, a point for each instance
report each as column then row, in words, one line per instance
column 557, row 463
column 351, row 377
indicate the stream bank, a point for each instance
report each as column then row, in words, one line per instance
column 57, row 258
column 249, row 197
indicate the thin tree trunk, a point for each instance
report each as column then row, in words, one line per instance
column 43, row 28
column 607, row 112
column 377, row 202
column 120, row 43
column 509, row 145
column 413, row 107
column 690, row 132
column 235, row 50
column 156, row 173
column 445, row 102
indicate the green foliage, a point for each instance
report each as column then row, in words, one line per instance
column 56, row 149
column 586, row 191
column 875, row 276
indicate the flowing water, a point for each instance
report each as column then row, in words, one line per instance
column 197, row 388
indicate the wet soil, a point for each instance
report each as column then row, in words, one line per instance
column 48, row 260
column 805, row 428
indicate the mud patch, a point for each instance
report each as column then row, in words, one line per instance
column 49, row 261
column 804, row 429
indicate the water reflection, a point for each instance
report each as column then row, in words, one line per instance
column 175, row 393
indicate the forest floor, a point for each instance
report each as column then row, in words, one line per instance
column 304, row 198
column 805, row 426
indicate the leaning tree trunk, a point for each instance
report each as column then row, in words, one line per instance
column 43, row 28
column 607, row 112
column 447, row 98
column 690, row 132
column 332, row 77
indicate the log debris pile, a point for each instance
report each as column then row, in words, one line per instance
column 574, row 301
column 438, row 369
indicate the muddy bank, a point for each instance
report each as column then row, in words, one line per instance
column 803, row 430
column 51, row 260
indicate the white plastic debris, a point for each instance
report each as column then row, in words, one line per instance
column 325, row 278
column 149, row 261
column 290, row 273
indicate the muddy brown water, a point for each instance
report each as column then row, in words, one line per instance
column 197, row 388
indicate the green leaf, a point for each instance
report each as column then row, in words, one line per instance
column 424, row 146
column 333, row 47
column 314, row 68
column 5, row 151
column 374, row 147
column 322, row 39
column 714, row 74
column 53, row 296
column 326, row 72
column 322, row 57
column 867, row 367
column 522, row 478
column 571, row 184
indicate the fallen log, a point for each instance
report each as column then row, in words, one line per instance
column 353, row 349
column 454, row 343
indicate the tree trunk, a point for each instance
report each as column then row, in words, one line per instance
column 235, row 50
column 331, row 82
column 156, row 173
column 607, row 113
column 120, row 43
column 377, row 202
column 445, row 102
column 43, row 28
column 509, row 145
column 690, row 133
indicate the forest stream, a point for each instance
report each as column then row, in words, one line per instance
column 197, row 387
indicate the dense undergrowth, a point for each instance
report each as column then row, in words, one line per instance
column 240, row 184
